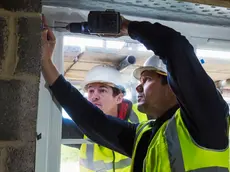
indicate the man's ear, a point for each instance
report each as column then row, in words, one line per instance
column 119, row 98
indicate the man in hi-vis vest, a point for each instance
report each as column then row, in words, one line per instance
column 175, row 145
column 104, row 88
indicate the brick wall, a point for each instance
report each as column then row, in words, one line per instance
column 19, row 83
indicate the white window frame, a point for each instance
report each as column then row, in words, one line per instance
column 49, row 121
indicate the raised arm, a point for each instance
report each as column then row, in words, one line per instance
column 102, row 129
column 203, row 109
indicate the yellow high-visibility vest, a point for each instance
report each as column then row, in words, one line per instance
column 94, row 157
column 172, row 149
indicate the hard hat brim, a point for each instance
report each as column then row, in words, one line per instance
column 85, row 84
column 137, row 72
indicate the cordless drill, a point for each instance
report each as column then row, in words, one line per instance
column 99, row 22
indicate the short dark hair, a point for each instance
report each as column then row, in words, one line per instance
column 116, row 91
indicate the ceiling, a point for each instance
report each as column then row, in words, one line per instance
column 168, row 10
column 205, row 26
column 77, row 63
column 94, row 57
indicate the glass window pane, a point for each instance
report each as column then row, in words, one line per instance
column 69, row 128
column 70, row 158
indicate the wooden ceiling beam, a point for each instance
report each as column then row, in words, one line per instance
column 219, row 3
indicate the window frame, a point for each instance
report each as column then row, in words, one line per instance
column 49, row 120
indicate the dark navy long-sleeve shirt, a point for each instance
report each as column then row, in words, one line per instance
column 203, row 109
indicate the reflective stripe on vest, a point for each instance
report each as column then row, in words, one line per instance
column 101, row 165
column 133, row 117
column 174, row 149
column 175, row 153
column 172, row 145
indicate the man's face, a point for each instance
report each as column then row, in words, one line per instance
column 102, row 96
column 150, row 92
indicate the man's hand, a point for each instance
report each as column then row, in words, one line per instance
column 124, row 26
column 48, row 41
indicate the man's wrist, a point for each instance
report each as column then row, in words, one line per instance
column 124, row 27
column 46, row 61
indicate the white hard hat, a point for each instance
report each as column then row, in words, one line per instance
column 152, row 63
column 105, row 74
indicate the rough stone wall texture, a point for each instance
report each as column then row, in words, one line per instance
column 20, row 55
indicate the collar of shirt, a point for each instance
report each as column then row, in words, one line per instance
column 167, row 115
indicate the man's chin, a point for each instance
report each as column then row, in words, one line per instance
column 99, row 106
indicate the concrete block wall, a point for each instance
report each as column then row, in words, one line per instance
column 20, row 55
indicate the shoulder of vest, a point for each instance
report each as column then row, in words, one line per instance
column 134, row 108
column 136, row 116
column 142, row 125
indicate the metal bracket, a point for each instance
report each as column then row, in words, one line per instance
column 39, row 136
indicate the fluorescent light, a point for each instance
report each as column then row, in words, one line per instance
column 78, row 41
column 213, row 54
column 115, row 44
column 130, row 48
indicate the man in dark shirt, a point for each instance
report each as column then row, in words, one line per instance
column 202, row 108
